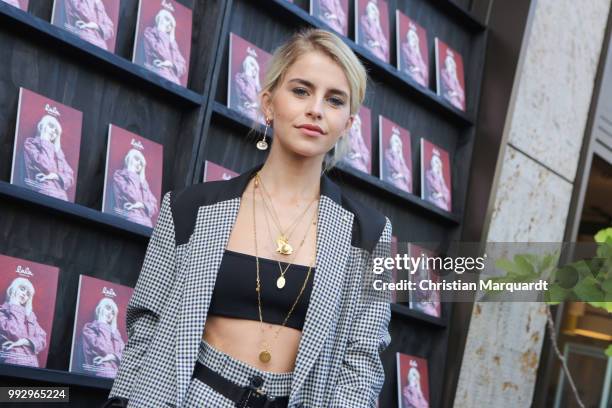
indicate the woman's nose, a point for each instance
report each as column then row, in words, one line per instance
column 315, row 110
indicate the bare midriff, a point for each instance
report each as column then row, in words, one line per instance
column 242, row 340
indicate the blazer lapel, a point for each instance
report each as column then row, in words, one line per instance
column 334, row 227
column 212, row 230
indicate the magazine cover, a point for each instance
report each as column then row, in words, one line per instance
column 412, row 49
column 215, row 172
column 163, row 39
column 436, row 184
column 27, row 292
column 395, row 155
column 372, row 27
column 247, row 65
column 423, row 299
column 94, row 21
column 359, row 154
column 412, row 381
column 334, row 13
column 450, row 82
column 47, row 145
column 99, row 334
column 22, row 4
column 133, row 177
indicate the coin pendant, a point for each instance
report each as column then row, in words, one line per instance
column 265, row 356
column 280, row 282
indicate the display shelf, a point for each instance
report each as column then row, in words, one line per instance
column 75, row 211
column 387, row 71
column 405, row 311
column 232, row 117
column 461, row 15
column 45, row 33
column 48, row 376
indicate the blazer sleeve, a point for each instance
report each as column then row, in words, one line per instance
column 149, row 297
column 362, row 374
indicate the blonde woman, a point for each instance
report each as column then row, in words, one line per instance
column 162, row 53
column 217, row 319
column 21, row 337
column 102, row 343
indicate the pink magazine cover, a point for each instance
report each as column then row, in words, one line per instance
column 372, row 27
column 395, row 155
column 422, row 298
column 436, row 184
column 411, row 49
column 47, row 144
column 133, row 178
column 450, row 81
column 359, row 154
column 247, row 69
column 163, row 39
column 412, row 381
column 95, row 21
column 28, row 291
column 22, row 4
column 215, row 172
column 334, row 13
column 100, row 333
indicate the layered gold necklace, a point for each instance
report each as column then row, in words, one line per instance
column 265, row 355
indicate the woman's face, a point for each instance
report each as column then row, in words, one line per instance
column 135, row 164
column 413, row 378
column 108, row 314
column 251, row 68
column 50, row 130
column 372, row 12
column 310, row 106
column 165, row 23
column 22, row 294
column 396, row 145
column 356, row 126
column 436, row 165
column 451, row 66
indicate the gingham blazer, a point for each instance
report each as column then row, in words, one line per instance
column 338, row 362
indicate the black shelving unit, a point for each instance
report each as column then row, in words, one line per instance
column 58, row 377
column 405, row 311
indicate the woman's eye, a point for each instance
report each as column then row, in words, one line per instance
column 300, row 91
column 337, row 102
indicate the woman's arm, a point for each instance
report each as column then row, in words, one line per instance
column 149, row 298
column 362, row 374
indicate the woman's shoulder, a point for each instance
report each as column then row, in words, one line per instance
column 368, row 222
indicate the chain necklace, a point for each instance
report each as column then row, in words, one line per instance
column 265, row 355
column 282, row 241
column 280, row 281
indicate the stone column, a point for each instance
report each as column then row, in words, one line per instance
column 534, row 181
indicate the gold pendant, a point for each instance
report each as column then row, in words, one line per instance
column 283, row 247
column 265, row 356
column 280, row 282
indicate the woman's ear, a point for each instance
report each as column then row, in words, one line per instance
column 349, row 123
column 266, row 104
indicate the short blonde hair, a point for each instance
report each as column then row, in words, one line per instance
column 312, row 39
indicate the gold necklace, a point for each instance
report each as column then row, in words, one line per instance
column 281, row 280
column 265, row 355
column 282, row 241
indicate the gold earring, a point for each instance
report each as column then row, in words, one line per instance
column 262, row 144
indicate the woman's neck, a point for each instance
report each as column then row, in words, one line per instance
column 291, row 181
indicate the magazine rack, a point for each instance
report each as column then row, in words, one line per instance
column 194, row 125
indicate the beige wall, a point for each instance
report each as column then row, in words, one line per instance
column 534, row 183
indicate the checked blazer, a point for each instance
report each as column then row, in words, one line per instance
column 338, row 362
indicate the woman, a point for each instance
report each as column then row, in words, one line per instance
column 359, row 154
column 90, row 21
column 102, row 343
column 396, row 170
column 414, row 65
column 372, row 33
column 412, row 395
column 133, row 197
column 436, row 189
column 453, row 91
column 162, row 53
column 333, row 14
column 217, row 319
column 46, row 168
column 247, row 87
column 21, row 337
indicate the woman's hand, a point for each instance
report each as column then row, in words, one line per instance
column 7, row 345
column 100, row 360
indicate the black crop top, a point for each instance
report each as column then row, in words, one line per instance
column 235, row 296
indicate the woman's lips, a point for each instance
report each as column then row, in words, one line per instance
column 310, row 131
